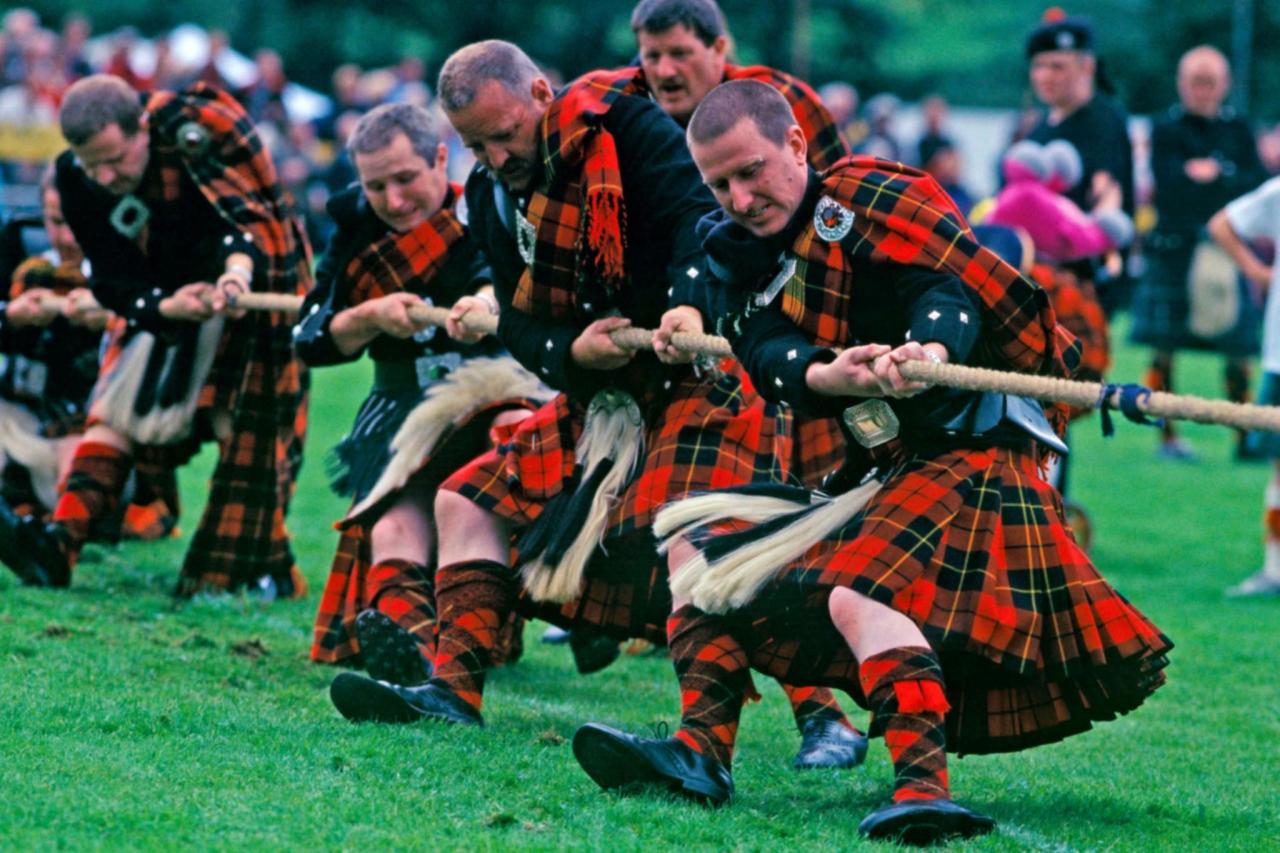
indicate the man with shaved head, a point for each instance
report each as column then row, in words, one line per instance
column 946, row 593
column 1203, row 155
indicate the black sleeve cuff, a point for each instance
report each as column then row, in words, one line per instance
column 142, row 312
column 313, row 338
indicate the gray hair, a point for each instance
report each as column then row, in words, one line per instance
column 472, row 66
column 95, row 103
column 379, row 127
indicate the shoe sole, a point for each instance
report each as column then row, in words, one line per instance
column 924, row 828
column 390, row 652
column 616, row 766
column 361, row 700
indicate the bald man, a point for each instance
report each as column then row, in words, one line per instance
column 1202, row 155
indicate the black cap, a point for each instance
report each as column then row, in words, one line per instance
column 1059, row 31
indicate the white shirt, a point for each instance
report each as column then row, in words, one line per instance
column 1254, row 216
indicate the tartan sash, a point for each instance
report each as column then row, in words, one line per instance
column 579, row 215
column 405, row 263
column 901, row 215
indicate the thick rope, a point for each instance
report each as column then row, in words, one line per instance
column 1085, row 395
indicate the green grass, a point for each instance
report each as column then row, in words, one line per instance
column 129, row 721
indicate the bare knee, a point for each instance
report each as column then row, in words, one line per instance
column 403, row 532
column 103, row 434
column 868, row 626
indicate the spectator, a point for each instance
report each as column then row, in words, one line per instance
column 1202, row 155
column 879, row 140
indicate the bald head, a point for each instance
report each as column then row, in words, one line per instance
column 1203, row 80
column 731, row 102
column 467, row 71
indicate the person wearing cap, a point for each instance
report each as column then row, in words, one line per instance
column 1203, row 155
column 1066, row 78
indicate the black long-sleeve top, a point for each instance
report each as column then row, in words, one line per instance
column 184, row 244
column 665, row 198
column 889, row 304
column 1184, row 206
column 358, row 227
column 1099, row 131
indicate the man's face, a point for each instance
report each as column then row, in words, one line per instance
column 60, row 236
column 759, row 183
column 1202, row 84
column 680, row 69
column 403, row 189
column 113, row 160
column 1060, row 77
column 501, row 129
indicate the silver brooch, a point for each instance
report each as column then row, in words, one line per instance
column 193, row 139
column 832, row 220
column 526, row 236
column 129, row 216
column 872, row 422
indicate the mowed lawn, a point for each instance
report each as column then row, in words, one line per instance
column 129, row 721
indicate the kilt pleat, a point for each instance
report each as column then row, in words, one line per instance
column 971, row 545
column 712, row 433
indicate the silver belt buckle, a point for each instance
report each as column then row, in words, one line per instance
column 872, row 423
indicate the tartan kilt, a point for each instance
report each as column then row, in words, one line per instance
column 1075, row 301
column 712, row 433
column 347, row 592
column 970, row 545
column 819, row 448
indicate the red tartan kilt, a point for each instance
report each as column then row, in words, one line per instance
column 971, row 545
column 711, row 435
column 819, row 448
column 1076, row 303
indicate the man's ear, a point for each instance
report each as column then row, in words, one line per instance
column 542, row 92
column 798, row 144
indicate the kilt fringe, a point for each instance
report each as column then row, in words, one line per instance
column 730, row 574
column 478, row 383
column 609, row 450
column 44, row 458
column 115, row 398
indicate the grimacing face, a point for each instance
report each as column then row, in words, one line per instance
column 759, row 183
column 680, row 69
column 403, row 189
column 501, row 130
column 114, row 160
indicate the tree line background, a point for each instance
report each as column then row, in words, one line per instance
column 970, row 53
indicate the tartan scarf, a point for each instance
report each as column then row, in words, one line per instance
column 579, row 216
column 901, row 215
column 406, row 263
column 234, row 172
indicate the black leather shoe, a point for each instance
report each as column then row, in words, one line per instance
column 829, row 744
column 32, row 550
column 361, row 699
column 924, row 822
column 615, row 759
column 592, row 652
column 390, row 652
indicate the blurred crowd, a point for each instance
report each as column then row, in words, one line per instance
column 306, row 129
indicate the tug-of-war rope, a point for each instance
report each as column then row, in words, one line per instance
column 1134, row 401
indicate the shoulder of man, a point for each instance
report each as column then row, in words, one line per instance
column 202, row 120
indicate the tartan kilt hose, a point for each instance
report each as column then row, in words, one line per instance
column 971, row 546
column 709, row 434
column 347, row 590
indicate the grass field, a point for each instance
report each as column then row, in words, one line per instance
column 129, row 721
